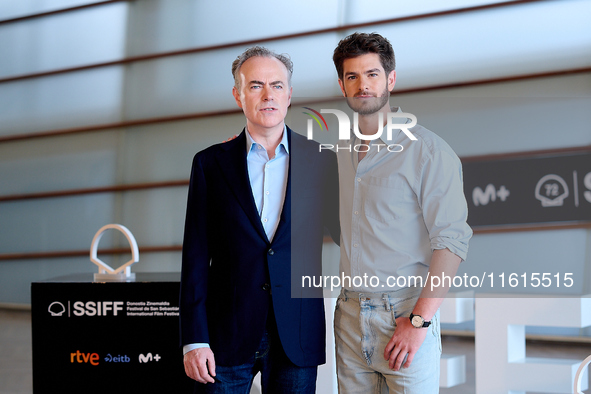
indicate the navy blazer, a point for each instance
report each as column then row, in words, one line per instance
column 231, row 272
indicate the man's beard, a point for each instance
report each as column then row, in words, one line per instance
column 368, row 106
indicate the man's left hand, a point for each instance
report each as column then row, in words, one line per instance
column 406, row 340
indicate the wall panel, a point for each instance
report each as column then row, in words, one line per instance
column 16, row 9
column 501, row 42
column 64, row 40
column 62, row 101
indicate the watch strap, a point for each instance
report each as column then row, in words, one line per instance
column 425, row 323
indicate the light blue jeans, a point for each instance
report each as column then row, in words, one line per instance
column 363, row 324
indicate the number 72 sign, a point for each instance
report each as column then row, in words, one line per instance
column 529, row 190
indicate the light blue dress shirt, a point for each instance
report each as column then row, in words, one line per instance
column 397, row 207
column 268, row 181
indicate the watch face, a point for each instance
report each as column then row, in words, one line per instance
column 417, row 321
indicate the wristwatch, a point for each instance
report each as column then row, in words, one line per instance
column 417, row 321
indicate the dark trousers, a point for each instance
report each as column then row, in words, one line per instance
column 278, row 374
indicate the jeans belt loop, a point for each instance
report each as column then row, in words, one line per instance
column 386, row 299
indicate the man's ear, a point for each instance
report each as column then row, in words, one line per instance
column 342, row 88
column 391, row 80
column 236, row 95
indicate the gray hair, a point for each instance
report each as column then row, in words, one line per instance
column 262, row 52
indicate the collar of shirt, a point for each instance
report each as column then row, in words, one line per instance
column 251, row 143
column 268, row 180
column 378, row 141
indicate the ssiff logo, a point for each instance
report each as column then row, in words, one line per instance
column 56, row 308
column 394, row 121
column 551, row 190
column 89, row 308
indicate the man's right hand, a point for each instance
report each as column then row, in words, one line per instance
column 200, row 365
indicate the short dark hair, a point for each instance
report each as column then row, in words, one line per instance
column 358, row 44
column 262, row 52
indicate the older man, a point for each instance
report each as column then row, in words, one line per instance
column 244, row 235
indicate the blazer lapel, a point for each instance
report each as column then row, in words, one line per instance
column 285, row 218
column 297, row 158
column 232, row 162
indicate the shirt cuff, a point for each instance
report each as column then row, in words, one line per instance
column 193, row 346
column 457, row 247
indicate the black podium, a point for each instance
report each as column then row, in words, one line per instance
column 113, row 337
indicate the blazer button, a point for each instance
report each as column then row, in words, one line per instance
column 266, row 287
column 271, row 252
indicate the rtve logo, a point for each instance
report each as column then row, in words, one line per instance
column 93, row 358
column 84, row 358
